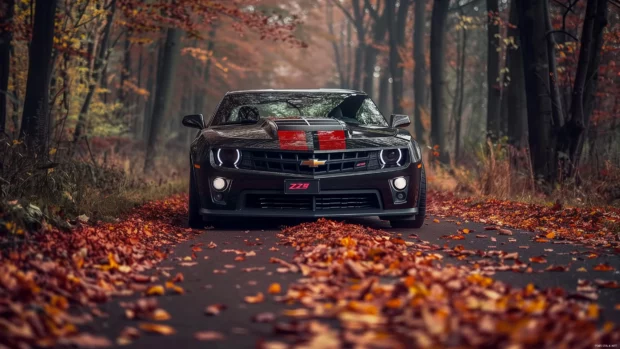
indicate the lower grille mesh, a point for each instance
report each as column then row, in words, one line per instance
column 312, row 202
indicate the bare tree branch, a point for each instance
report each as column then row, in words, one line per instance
column 563, row 32
column 344, row 11
column 373, row 12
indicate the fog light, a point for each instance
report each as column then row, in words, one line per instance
column 219, row 183
column 400, row 196
column 218, row 197
column 400, row 183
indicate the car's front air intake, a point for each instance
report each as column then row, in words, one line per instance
column 320, row 202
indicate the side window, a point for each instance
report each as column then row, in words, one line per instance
column 369, row 114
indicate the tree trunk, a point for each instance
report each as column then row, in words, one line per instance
column 571, row 141
column 350, row 64
column 337, row 52
column 35, row 119
column 514, row 105
column 139, row 114
column 151, row 79
column 6, row 18
column 459, row 94
column 358, row 15
column 126, row 72
column 419, row 72
column 542, row 127
column 384, row 91
column 397, row 39
column 96, row 75
column 206, row 74
column 493, row 83
column 165, row 85
column 379, row 28
column 438, row 23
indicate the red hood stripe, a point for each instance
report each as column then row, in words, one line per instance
column 331, row 140
column 292, row 140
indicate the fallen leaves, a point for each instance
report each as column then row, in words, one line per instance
column 157, row 290
column 63, row 274
column 538, row 259
column 161, row 329
column 603, row 267
column 208, row 336
column 215, row 309
column 376, row 281
column 258, row 298
column 274, row 288
column 86, row 340
column 589, row 226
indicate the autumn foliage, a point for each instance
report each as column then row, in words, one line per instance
column 58, row 271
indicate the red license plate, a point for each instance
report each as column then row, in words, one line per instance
column 292, row 186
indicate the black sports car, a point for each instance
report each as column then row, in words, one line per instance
column 304, row 153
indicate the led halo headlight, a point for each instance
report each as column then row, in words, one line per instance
column 390, row 157
column 400, row 183
column 219, row 183
column 228, row 157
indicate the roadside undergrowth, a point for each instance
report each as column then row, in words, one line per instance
column 500, row 171
column 66, row 186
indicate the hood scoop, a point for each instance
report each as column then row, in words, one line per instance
column 303, row 124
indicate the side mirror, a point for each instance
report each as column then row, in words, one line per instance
column 397, row 120
column 194, row 121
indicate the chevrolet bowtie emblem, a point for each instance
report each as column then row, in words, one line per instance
column 313, row 163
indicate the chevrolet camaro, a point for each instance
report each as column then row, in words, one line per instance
column 304, row 154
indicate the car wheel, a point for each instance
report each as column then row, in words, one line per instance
column 418, row 220
column 194, row 218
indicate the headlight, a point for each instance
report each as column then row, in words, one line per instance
column 391, row 157
column 416, row 154
column 227, row 157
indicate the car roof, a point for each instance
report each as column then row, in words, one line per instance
column 320, row 90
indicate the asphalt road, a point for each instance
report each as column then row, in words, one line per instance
column 206, row 284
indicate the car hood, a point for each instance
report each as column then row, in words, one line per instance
column 301, row 133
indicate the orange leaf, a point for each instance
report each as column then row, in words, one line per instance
column 157, row 290
column 550, row 235
column 208, row 336
column 274, row 288
column 603, row 267
column 394, row 303
column 259, row 298
column 538, row 259
column 160, row 315
column 157, row 328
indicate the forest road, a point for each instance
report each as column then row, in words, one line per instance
column 218, row 279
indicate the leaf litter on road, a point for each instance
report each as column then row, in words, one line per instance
column 54, row 271
column 373, row 284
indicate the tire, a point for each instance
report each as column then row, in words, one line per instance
column 195, row 220
column 418, row 221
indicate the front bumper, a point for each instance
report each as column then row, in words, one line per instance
column 262, row 194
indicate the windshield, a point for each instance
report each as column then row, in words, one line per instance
column 249, row 108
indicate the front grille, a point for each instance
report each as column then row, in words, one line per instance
column 350, row 201
column 279, row 202
column 313, row 202
column 290, row 162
